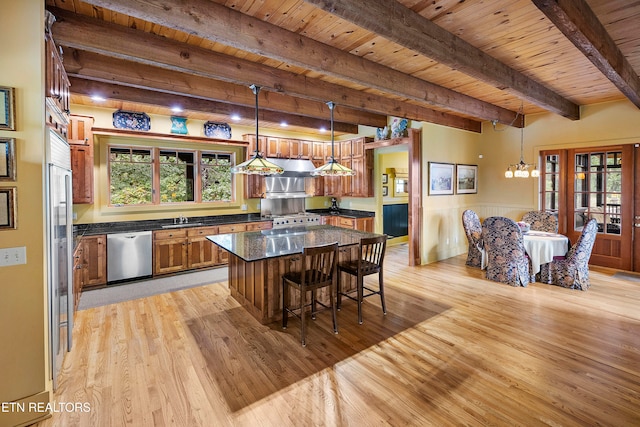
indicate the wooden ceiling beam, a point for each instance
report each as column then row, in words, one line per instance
column 98, row 36
column 151, row 97
column 407, row 28
column 217, row 23
column 92, row 66
column 576, row 20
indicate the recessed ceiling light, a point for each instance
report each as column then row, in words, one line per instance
column 177, row 109
column 323, row 129
column 284, row 124
column 235, row 117
column 97, row 98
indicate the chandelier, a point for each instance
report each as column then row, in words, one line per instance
column 332, row 167
column 520, row 169
column 257, row 165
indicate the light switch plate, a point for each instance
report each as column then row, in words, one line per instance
column 13, row 256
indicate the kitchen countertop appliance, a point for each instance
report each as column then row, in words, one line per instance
column 130, row 255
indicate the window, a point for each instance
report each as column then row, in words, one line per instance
column 551, row 183
column 176, row 176
column 598, row 190
column 215, row 171
column 131, row 175
column 181, row 176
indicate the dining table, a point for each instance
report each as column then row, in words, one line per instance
column 542, row 246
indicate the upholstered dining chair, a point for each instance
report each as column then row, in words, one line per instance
column 319, row 270
column 541, row 221
column 572, row 271
column 369, row 261
column 473, row 230
column 507, row 260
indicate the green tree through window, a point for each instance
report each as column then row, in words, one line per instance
column 131, row 175
column 215, row 169
column 180, row 173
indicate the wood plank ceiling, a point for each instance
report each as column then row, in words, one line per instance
column 451, row 62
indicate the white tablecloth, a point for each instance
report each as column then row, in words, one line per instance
column 542, row 247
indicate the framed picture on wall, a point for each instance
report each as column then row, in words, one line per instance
column 7, row 159
column 466, row 179
column 7, row 208
column 385, row 178
column 440, row 178
column 7, row 108
column 385, row 191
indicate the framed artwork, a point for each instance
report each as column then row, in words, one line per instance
column 467, row 179
column 7, row 108
column 385, row 178
column 7, row 159
column 385, row 191
column 440, row 178
column 7, row 208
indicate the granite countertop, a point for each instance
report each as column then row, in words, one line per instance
column 157, row 224
column 344, row 212
column 257, row 245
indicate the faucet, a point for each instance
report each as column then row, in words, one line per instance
column 183, row 220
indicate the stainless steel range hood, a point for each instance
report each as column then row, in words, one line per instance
column 284, row 187
column 294, row 167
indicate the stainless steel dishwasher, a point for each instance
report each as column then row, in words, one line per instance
column 129, row 255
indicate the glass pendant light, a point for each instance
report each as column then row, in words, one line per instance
column 257, row 165
column 332, row 168
column 521, row 169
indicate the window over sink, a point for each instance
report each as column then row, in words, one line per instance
column 181, row 176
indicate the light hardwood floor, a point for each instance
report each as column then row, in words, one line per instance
column 454, row 349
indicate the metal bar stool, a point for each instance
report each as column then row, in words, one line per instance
column 370, row 257
column 318, row 271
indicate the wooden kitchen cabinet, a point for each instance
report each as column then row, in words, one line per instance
column 362, row 224
column 254, row 186
column 201, row 252
column 82, row 173
column 78, row 274
column 261, row 225
column 169, row 251
column 56, row 83
column 95, row 255
column 80, row 130
column 89, row 265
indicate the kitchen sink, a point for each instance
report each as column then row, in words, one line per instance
column 189, row 224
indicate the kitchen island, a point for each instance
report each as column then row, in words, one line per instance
column 258, row 259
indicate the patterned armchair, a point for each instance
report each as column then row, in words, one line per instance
column 473, row 230
column 573, row 270
column 507, row 260
column 542, row 221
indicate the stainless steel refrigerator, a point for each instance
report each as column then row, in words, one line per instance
column 59, row 212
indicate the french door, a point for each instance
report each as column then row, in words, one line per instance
column 595, row 183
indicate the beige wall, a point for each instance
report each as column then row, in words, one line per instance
column 24, row 331
column 603, row 124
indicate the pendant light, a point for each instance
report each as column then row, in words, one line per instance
column 257, row 165
column 520, row 169
column 332, row 168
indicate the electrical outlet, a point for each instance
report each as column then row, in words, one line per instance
column 13, row 256
column 243, row 207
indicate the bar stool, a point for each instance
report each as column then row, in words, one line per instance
column 318, row 271
column 370, row 257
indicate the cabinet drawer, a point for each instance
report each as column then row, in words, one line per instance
column 202, row 231
column 347, row 222
column 169, row 234
column 254, row 226
column 231, row 228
